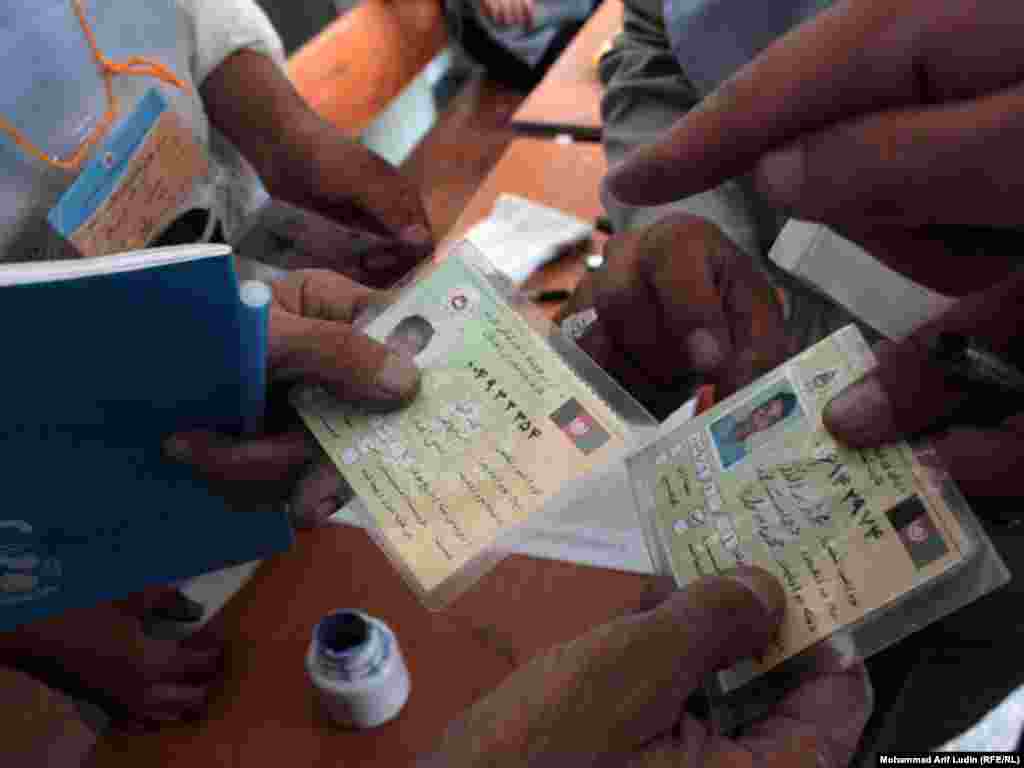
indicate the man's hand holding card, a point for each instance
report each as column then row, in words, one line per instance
column 503, row 422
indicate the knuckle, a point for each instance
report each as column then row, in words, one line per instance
column 679, row 241
column 310, row 298
column 234, row 458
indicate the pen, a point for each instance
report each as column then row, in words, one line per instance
column 964, row 359
column 542, row 297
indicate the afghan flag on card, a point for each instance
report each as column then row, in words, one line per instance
column 585, row 433
column 918, row 533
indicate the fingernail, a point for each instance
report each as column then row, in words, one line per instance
column 325, row 509
column 416, row 234
column 781, row 175
column 765, row 589
column 641, row 180
column 861, row 414
column 177, row 449
column 398, row 377
column 705, row 352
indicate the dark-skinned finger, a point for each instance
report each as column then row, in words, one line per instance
column 320, row 492
column 569, row 702
column 264, row 462
column 898, row 168
column 853, row 59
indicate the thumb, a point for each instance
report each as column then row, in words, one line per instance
column 312, row 339
column 347, row 362
column 620, row 685
column 825, row 716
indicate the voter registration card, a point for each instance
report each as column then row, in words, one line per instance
column 503, row 422
column 758, row 480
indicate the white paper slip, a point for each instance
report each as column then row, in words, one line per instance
column 890, row 303
column 520, row 236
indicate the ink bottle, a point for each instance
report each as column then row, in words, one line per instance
column 357, row 668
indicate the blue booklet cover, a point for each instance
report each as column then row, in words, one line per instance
column 104, row 358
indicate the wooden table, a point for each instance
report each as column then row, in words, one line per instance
column 568, row 99
column 265, row 714
column 563, row 176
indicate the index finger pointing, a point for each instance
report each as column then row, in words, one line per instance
column 852, row 59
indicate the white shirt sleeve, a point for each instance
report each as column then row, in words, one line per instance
column 219, row 28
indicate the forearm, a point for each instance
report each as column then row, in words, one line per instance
column 646, row 92
column 254, row 105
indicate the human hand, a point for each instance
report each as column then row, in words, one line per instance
column 895, row 123
column 41, row 726
column 368, row 259
column 304, row 160
column 509, row 13
column 907, row 394
column 355, row 187
column 675, row 302
column 311, row 340
column 103, row 652
column 615, row 696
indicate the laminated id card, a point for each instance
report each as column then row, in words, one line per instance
column 860, row 539
column 510, row 414
column 138, row 182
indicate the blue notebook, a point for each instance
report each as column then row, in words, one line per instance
column 103, row 358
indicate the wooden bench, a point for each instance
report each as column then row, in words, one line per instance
column 355, row 67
